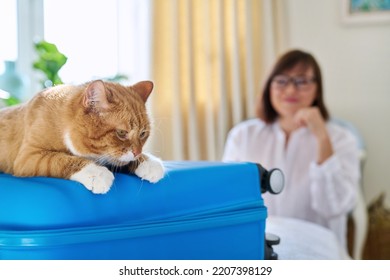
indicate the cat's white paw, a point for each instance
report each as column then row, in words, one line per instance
column 97, row 179
column 151, row 169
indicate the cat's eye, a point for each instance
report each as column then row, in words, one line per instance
column 143, row 134
column 121, row 133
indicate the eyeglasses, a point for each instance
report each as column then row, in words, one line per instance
column 301, row 83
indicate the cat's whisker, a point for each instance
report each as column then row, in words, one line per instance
column 116, row 168
column 140, row 188
column 102, row 160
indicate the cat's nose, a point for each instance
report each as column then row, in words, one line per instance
column 136, row 152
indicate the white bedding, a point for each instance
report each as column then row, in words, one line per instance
column 302, row 240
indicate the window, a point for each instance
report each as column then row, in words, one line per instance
column 86, row 32
column 8, row 31
column 100, row 38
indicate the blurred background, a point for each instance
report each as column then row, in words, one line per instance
column 208, row 60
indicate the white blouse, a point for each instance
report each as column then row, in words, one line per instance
column 323, row 194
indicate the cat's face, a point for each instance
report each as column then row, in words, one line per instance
column 115, row 120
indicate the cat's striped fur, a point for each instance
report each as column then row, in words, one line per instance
column 72, row 132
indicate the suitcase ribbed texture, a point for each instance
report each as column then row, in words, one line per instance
column 200, row 210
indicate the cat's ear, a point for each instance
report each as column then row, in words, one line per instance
column 144, row 89
column 95, row 96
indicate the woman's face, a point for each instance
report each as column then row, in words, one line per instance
column 293, row 90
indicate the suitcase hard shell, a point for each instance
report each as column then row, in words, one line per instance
column 199, row 210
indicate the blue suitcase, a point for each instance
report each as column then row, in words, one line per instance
column 199, row 210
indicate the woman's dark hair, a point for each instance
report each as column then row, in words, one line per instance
column 289, row 60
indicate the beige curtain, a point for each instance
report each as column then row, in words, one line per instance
column 209, row 61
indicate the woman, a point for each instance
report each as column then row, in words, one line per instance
column 292, row 132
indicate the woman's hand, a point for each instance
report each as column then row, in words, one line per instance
column 312, row 119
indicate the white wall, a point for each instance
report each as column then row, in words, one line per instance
column 355, row 60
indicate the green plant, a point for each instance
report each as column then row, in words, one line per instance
column 11, row 101
column 6, row 99
column 50, row 61
column 118, row 78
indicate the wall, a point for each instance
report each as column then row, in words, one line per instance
column 355, row 60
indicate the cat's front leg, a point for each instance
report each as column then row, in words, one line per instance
column 149, row 168
column 97, row 179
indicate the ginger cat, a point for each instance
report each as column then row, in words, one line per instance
column 74, row 132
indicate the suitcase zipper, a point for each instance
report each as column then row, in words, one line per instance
column 82, row 235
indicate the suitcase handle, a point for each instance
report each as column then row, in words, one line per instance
column 271, row 181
